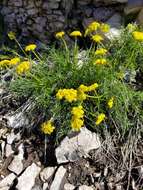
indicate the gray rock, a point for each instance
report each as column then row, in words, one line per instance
column 47, row 173
column 72, row 149
column 16, row 166
column 17, row 120
column 115, row 21
column 69, row 186
column 103, row 13
column 59, row 179
column 45, row 186
column 8, row 150
column 11, row 137
column 27, row 180
column 85, row 187
column 7, row 181
column 108, row 2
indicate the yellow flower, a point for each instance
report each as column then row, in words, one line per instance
column 4, row 63
column 69, row 94
column 11, row 35
column 60, row 34
column 100, row 118
column 101, row 51
column 92, row 28
column 78, row 112
column 93, row 87
column 105, row 27
column 100, row 62
column 76, row 33
column 30, row 47
column 110, row 102
column 14, row 61
column 97, row 38
column 138, row 35
column 76, row 124
column 47, row 127
column 83, row 88
column 77, row 118
column 81, row 95
column 23, row 67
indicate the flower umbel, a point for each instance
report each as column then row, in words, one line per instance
column 69, row 94
column 100, row 118
column 60, row 34
column 47, row 127
column 138, row 36
column 30, row 47
column 101, row 51
column 14, row 61
column 110, row 102
column 23, row 67
column 4, row 63
column 77, row 120
column 97, row 38
column 76, row 33
column 105, row 27
column 100, row 62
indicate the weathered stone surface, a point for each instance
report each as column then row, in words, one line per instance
column 39, row 18
column 59, row 179
column 8, row 150
column 103, row 13
column 69, row 186
column 7, row 181
column 85, row 187
column 27, row 180
column 47, row 173
column 72, row 149
column 16, row 166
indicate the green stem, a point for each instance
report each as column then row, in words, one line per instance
column 36, row 55
column 21, row 47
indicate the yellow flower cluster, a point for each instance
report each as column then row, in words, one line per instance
column 100, row 118
column 76, row 33
column 23, row 67
column 73, row 95
column 138, row 36
column 30, row 47
column 60, row 34
column 77, row 120
column 47, row 127
column 101, row 51
column 104, row 27
column 97, row 38
column 69, row 94
column 11, row 62
column 101, row 61
column 4, row 63
column 110, row 102
column 92, row 28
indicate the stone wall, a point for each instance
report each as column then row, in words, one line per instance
column 42, row 18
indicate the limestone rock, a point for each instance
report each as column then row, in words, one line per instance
column 85, row 187
column 47, row 173
column 115, row 21
column 7, row 181
column 59, row 179
column 16, row 166
column 69, row 186
column 27, row 180
column 72, row 149
column 8, row 150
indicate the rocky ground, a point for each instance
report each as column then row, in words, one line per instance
column 81, row 161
